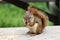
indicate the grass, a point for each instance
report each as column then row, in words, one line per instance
column 12, row 16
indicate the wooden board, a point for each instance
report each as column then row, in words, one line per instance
column 50, row 33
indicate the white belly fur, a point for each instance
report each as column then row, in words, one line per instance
column 33, row 28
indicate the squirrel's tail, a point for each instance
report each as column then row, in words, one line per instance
column 41, row 14
column 44, row 23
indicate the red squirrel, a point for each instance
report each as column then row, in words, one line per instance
column 35, row 20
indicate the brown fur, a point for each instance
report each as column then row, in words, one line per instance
column 39, row 27
column 40, row 14
column 39, row 17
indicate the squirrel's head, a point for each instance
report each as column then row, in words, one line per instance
column 28, row 18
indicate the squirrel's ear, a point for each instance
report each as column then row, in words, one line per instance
column 25, row 11
column 29, row 7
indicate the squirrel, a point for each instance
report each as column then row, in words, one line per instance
column 35, row 20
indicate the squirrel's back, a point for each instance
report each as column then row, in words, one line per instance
column 41, row 14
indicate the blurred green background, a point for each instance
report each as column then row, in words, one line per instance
column 12, row 16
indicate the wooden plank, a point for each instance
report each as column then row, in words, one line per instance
column 50, row 33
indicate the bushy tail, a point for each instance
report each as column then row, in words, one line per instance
column 41, row 14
